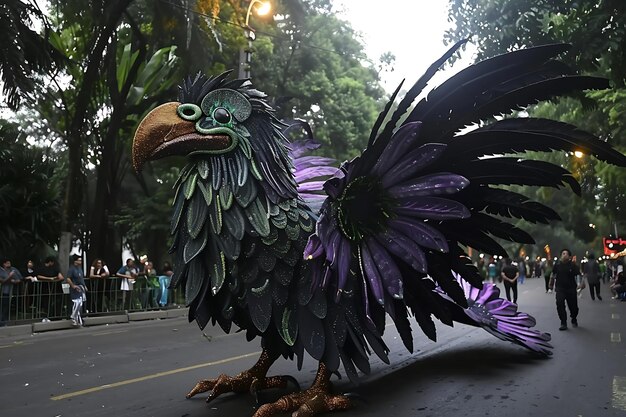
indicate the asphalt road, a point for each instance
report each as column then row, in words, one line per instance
column 145, row 369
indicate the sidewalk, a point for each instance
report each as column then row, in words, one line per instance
column 45, row 326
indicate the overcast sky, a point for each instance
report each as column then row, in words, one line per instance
column 410, row 29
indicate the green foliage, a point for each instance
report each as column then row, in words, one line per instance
column 30, row 201
column 597, row 32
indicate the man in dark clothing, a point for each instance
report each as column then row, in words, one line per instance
column 509, row 275
column 564, row 280
column 592, row 273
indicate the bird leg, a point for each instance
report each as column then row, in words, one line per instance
column 252, row 380
column 317, row 399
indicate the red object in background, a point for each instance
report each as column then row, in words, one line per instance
column 613, row 245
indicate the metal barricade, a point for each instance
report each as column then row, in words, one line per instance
column 29, row 302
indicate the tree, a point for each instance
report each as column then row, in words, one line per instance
column 597, row 32
column 24, row 52
column 30, row 202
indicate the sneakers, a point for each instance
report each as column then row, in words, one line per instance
column 563, row 326
column 574, row 322
column 549, row 291
column 599, row 298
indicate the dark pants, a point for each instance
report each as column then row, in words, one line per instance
column 5, row 304
column 547, row 279
column 595, row 287
column 569, row 295
column 507, row 289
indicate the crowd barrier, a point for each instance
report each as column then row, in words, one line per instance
column 30, row 302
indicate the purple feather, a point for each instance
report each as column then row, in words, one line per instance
column 420, row 233
column 313, row 172
column 412, row 163
column 400, row 143
column 404, row 248
column 391, row 277
column 342, row 264
column 440, row 183
column 432, row 208
column 312, row 161
column 371, row 274
column 313, row 248
column 310, row 186
column 366, row 306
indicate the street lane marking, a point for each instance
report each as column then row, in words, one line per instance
column 616, row 337
column 147, row 377
column 111, row 332
column 15, row 344
column 619, row 393
column 615, row 316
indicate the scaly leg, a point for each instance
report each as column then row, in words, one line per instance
column 317, row 399
column 252, row 380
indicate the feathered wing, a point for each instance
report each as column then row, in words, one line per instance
column 497, row 316
column 390, row 235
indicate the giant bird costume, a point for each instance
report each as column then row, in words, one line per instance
column 317, row 266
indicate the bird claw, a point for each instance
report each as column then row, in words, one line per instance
column 305, row 404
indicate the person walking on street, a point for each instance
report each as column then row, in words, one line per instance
column 78, row 289
column 563, row 280
column 509, row 275
column 592, row 273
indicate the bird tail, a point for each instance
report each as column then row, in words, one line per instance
column 497, row 316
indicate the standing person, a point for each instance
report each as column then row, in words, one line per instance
column 30, row 277
column 128, row 273
column 546, row 276
column 164, row 283
column 603, row 270
column 9, row 276
column 592, row 274
column 78, row 289
column 563, row 279
column 51, row 274
column 509, row 275
column 98, row 279
column 521, row 266
column 492, row 271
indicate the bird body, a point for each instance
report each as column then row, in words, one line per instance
column 314, row 259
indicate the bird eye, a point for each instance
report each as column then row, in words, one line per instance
column 189, row 111
column 221, row 115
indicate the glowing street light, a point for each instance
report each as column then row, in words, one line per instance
column 578, row 154
column 245, row 54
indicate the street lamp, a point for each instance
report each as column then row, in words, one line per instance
column 245, row 54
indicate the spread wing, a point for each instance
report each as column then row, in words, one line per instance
column 390, row 237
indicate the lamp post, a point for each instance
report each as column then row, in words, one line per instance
column 245, row 54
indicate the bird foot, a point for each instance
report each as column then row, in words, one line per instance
column 304, row 404
column 247, row 381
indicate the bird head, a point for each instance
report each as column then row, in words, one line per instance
column 214, row 116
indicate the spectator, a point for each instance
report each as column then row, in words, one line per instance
column 492, row 271
column 538, row 268
column 521, row 266
column 30, row 277
column 592, row 274
column 164, row 283
column 78, row 289
column 618, row 287
column 510, row 274
column 98, row 284
column 9, row 276
column 152, row 288
column 128, row 273
column 563, row 278
column 546, row 276
column 52, row 295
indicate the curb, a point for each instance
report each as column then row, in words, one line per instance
column 19, row 330
column 39, row 327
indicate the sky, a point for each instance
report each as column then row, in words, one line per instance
column 412, row 30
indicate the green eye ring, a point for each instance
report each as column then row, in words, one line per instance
column 202, row 129
column 189, row 111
